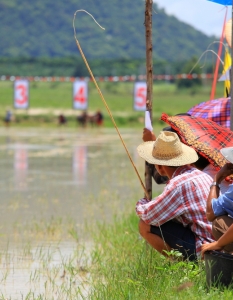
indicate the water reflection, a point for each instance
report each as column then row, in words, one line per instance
column 20, row 167
column 42, row 176
column 50, row 188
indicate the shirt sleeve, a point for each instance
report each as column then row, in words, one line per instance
column 161, row 209
column 224, row 203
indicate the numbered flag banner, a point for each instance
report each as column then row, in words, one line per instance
column 21, row 93
column 140, row 90
column 80, row 94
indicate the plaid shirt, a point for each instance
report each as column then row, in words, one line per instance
column 184, row 199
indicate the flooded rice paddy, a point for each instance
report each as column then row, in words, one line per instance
column 55, row 186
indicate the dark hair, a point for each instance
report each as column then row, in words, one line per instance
column 201, row 163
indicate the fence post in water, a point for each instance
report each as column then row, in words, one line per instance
column 149, row 80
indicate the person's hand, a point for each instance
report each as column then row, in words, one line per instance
column 148, row 135
column 208, row 247
column 224, row 172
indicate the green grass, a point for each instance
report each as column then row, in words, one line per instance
column 56, row 97
column 125, row 267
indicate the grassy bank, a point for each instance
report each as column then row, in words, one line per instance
column 49, row 99
column 117, row 265
column 125, row 267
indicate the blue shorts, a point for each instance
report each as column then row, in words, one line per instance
column 177, row 237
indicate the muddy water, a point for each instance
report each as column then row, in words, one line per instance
column 57, row 179
column 49, row 173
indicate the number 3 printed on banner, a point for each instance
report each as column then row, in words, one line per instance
column 21, row 94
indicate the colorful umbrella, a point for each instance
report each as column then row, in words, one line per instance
column 217, row 110
column 203, row 135
column 223, row 2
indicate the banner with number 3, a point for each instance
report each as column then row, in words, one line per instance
column 21, row 93
column 140, row 90
column 80, row 94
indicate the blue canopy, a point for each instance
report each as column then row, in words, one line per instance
column 223, row 2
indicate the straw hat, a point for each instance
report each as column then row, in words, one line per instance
column 167, row 150
column 227, row 153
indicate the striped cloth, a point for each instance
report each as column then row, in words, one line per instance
column 217, row 110
column 204, row 135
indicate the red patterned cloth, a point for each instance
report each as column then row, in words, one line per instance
column 203, row 135
column 217, row 110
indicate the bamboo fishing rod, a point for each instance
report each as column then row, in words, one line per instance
column 103, row 99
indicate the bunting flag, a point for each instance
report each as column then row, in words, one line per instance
column 227, row 65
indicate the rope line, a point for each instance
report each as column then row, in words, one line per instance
column 103, row 99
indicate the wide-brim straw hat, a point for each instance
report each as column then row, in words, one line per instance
column 167, row 150
column 227, row 153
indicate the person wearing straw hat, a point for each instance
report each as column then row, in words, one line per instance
column 202, row 163
column 219, row 208
column 176, row 219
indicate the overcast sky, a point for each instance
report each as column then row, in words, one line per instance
column 203, row 15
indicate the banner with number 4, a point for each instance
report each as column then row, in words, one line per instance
column 21, row 93
column 80, row 94
column 140, row 91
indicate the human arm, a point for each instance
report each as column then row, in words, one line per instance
column 224, row 240
column 225, row 171
column 160, row 209
column 148, row 135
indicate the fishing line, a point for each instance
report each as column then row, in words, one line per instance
column 102, row 97
column 108, row 110
column 204, row 54
column 208, row 50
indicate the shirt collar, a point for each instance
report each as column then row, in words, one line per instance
column 180, row 170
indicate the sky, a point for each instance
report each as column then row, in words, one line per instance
column 203, row 15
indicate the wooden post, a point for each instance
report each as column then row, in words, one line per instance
column 149, row 80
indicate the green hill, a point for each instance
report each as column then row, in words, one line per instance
column 44, row 29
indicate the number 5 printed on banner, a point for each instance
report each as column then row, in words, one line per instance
column 140, row 90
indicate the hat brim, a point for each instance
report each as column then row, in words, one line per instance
column 188, row 155
column 227, row 153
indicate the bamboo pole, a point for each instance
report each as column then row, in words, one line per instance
column 149, row 80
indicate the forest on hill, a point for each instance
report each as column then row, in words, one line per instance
column 38, row 36
column 45, row 28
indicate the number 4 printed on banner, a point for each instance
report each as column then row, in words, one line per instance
column 80, row 95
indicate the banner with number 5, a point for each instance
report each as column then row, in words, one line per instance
column 140, row 91
column 21, row 93
column 80, row 95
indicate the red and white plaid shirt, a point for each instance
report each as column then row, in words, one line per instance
column 184, row 199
